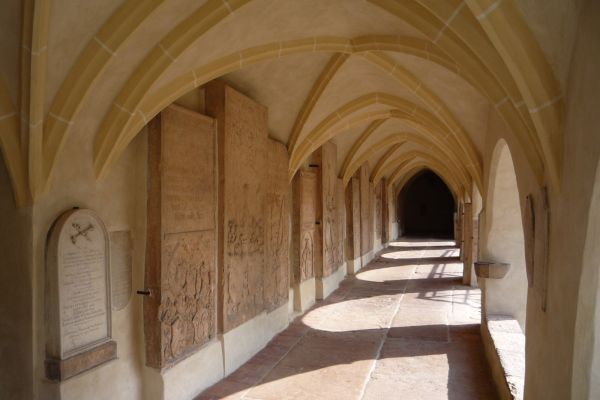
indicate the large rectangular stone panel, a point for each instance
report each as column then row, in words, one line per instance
column 340, row 221
column 179, row 313
column 242, row 138
column 385, row 212
column 276, row 277
column 332, row 251
column 378, row 210
column 353, row 235
column 366, row 237
column 307, row 247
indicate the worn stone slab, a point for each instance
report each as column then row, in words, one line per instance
column 329, row 228
column 276, row 277
column 378, row 210
column 309, row 236
column 78, row 311
column 242, row 133
column 366, row 220
column 353, row 236
column 121, row 248
column 180, row 311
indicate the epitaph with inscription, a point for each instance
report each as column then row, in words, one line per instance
column 78, row 310
column 242, row 143
column 180, row 311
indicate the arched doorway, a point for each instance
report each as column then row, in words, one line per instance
column 426, row 207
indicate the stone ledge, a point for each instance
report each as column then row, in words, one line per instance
column 60, row 370
column 506, row 354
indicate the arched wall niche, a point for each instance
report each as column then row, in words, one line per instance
column 503, row 237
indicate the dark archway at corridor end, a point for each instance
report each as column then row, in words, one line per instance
column 426, row 207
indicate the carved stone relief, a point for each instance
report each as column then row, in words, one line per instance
column 180, row 311
column 328, row 200
column 276, row 284
column 378, row 211
column 385, row 212
column 365, row 211
column 305, row 217
column 243, row 130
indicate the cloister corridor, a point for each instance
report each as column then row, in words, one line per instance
column 403, row 324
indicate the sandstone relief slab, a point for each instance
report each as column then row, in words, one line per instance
column 120, row 268
column 365, row 211
column 329, row 226
column 276, row 277
column 180, row 312
column 340, row 223
column 78, row 310
column 305, row 202
column 378, row 210
column 243, row 130
column 385, row 212
column 353, row 229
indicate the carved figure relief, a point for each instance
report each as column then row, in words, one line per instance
column 180, row 311
column 185, row 312
column 307, row 256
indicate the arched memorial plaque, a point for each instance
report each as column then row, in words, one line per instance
column 78, row 311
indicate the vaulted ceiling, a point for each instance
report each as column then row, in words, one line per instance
column 399, row 84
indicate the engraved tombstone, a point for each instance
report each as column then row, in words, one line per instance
column 78, row 311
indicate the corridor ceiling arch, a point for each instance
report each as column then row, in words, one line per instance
column 468, row 38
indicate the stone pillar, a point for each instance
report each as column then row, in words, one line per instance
column 467, row 243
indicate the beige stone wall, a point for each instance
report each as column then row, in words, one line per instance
column 120, row 200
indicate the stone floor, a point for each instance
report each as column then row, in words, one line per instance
column 403, row 328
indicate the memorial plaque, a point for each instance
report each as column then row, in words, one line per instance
column 243, row 132
column 120, row 268
column 306, row 201
column 340, row 223
column 180, row 310
column 353, row 222
column 328, row 201
column 78, row 317
column 276, row 284
column 385, row 212
column 365, row 211
column 378, row 211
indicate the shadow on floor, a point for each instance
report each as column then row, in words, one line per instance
column 423, row 361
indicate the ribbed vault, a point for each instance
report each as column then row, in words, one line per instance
column 359, row 89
